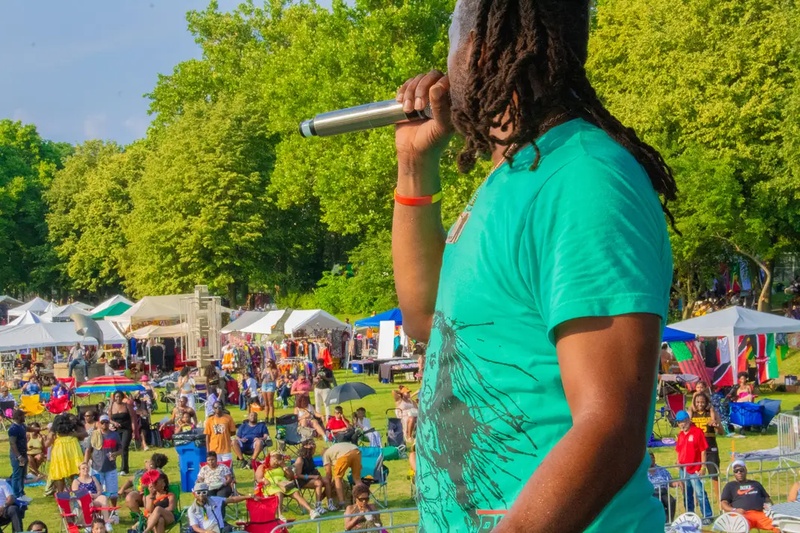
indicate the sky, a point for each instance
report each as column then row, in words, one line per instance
column 79, row 69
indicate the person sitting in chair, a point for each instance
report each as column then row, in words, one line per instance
column 217, row 476
column 205, row 514
column 307, row 416
column 10, row 512
column 183, row 407
column 278, row 479
column 6, row 396
column 308, row 477
column 747, row 498
column 252, row 437
column 32, row 387
column 340, row 428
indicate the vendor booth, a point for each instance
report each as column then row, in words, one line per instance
column 36, row 306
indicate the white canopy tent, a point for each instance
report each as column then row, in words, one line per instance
column 310, row 320
column 734, row 322
column 27, row 318
column 36, row 306
column 151, row 308
column 245, row 319
column 81, row 305
column 264, row 324
column 62, row 314
column 164, row 332
column 47, row 334
column 111, row 301
column 9, row 301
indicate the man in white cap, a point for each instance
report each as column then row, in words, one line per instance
column 747, row 498
column 205, row 514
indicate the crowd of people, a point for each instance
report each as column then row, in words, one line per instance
column 698, row 460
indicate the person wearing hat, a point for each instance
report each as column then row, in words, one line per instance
column 406, row 410
column 205, row 514
column 691, row 447
column 747, row 498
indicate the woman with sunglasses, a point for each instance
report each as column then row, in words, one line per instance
column 361, row 505
column 308, row 477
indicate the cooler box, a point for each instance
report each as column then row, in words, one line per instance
column 190, row 456
column 746, row 414
column 357, row 368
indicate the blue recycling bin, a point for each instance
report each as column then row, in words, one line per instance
column 190, row 456
column 357, row 368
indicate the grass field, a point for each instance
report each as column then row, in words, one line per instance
column 399, row 486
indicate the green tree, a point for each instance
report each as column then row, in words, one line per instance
column 201, row 212
column 27, row 165
column 716, row 77
column 89, row 200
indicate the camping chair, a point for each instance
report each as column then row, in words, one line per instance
column 263, row 513
column 200, row 396
column 32, row 407
column 179, row 512
column 287, row 434
column 374, row 473
column 77, row 511
column 56, row 406
column 168, row 396
column 6, row 410
column 664, row 424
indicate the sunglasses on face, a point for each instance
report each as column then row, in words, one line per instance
column 363, row 499
column 201, row 492
column 739, row 470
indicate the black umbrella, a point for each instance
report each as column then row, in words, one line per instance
column 349, row 392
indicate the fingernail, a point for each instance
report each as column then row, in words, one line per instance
column 419, row 104
column 408, row 106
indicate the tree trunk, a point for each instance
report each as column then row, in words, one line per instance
column 765, row 299
column 688, row 303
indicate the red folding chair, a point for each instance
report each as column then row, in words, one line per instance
column 263, row 513
column 77, row 511
column 56, row 406
column 675, row 402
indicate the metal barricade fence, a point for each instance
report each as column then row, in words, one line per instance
column 698, row 493
column 788, row 432
column 777, row 475
column 404, row 520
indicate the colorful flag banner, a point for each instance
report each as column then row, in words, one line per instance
column 722, row 374
column 743, row 351
column 689, row 359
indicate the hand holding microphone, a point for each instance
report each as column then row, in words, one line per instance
column 422, row 143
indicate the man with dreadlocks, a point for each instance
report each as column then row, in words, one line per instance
column 543, row 304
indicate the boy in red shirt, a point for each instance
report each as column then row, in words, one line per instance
column 691, row 447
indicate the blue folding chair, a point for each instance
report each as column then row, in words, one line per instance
column 374, row 474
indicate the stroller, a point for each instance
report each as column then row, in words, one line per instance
column 394, row 432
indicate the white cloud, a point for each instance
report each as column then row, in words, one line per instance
column 94, row 126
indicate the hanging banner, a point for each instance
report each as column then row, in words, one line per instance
column 722, row 374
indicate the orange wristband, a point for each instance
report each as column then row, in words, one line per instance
column 415, row 201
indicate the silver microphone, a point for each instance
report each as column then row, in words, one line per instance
column 361, row 118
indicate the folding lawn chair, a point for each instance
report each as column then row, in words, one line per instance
column 32, row 407
column 374, row 474
column 287, row 434
column 77, row 511
column 179, row 512
column 56, row 406
column 664, row 424
column 263, row 513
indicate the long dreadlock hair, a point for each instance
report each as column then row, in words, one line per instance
column 527, row 64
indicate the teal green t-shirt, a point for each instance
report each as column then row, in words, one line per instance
column 583, row 235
